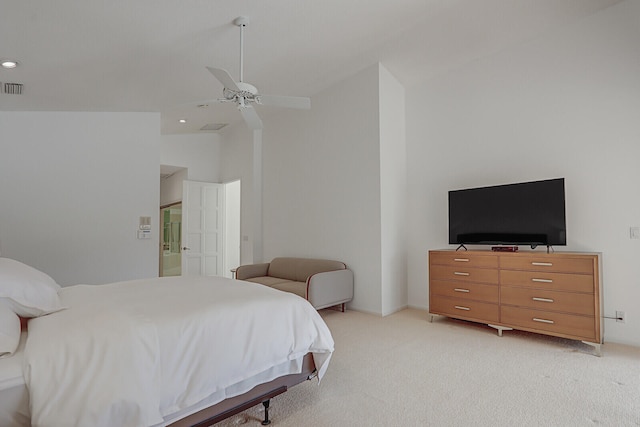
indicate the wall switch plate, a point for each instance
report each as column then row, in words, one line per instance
column 634, row 232
column 144, row 234
column 145, row 223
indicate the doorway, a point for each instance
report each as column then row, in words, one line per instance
column 170, row 234
column 172, row 230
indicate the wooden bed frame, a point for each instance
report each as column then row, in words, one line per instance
column 259, row 394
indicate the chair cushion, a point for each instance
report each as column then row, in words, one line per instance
column 298, row 288
column 266, row 280
column 284, row 268
column 299, row 269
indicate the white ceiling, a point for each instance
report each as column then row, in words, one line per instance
column 150, row 55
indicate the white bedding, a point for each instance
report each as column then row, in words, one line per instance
column 130, row 353
column 14, row 400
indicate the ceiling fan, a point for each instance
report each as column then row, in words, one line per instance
column 246, row 95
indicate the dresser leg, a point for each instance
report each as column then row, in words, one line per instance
column 597, row 347
column 500, row 329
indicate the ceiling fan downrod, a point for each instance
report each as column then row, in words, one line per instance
column 241, row 21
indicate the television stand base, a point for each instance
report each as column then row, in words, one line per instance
column 549, row 247
column 461, row 246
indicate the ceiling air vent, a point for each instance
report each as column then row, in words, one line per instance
column 213, row 126
column 13, row 88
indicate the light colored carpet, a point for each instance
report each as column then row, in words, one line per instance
column 401, row 370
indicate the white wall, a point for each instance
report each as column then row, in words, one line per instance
column 232, row 239
column 393, row 193
column 564, row 105
column 73, row 186
column 323, row 192
column 171, row 187
column 199, row 153
column 322, row 183
column 236, row 150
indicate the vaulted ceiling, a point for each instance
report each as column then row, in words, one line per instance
column 150, row 55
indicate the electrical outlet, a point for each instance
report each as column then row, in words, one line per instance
column 620, row 316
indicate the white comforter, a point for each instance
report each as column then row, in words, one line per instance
column 130, row 353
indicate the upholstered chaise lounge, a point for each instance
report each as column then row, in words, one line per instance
column 324, row 283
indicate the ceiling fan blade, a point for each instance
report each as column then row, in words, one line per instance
column 284, row 101
column 203, row 103
column 224, row 77
column 251, row 117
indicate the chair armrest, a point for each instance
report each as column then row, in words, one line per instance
column 330, row 288
column 252, row 270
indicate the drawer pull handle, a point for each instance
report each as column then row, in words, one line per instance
column 542, row 299
column 542, row 280
column 535, row 319
column 459, row 273
column 543, row 264
column 461, row 259
column 459, row 307
column 462, row 290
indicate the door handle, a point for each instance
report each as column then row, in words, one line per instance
column 184, row 248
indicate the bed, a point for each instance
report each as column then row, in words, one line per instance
column 176, row 351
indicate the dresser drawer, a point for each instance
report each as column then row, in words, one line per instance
column 463, row 274
column 568, row 325
column 465, row 291
column 551, row 281
column 470, row 310
column 553, row 262
column 568, row 302
column 463, row 259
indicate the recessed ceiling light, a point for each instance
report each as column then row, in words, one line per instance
column 183, row 120
column 9, row 64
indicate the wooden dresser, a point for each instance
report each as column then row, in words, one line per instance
column 555, row 294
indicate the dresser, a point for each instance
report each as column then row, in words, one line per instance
column 554, row 294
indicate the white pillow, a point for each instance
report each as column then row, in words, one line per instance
column 9, row 331
column 27, row 291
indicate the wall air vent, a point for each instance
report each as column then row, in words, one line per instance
column 13, row 88
column 213, row 126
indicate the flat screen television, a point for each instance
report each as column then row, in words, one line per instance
column 526, row 213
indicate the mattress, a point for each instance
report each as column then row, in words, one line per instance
column 14, row 397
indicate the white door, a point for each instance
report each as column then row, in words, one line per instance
column 202, row 228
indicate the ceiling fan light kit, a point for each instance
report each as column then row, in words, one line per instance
column 245, row 94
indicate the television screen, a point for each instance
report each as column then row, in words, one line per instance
column 531, row 213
